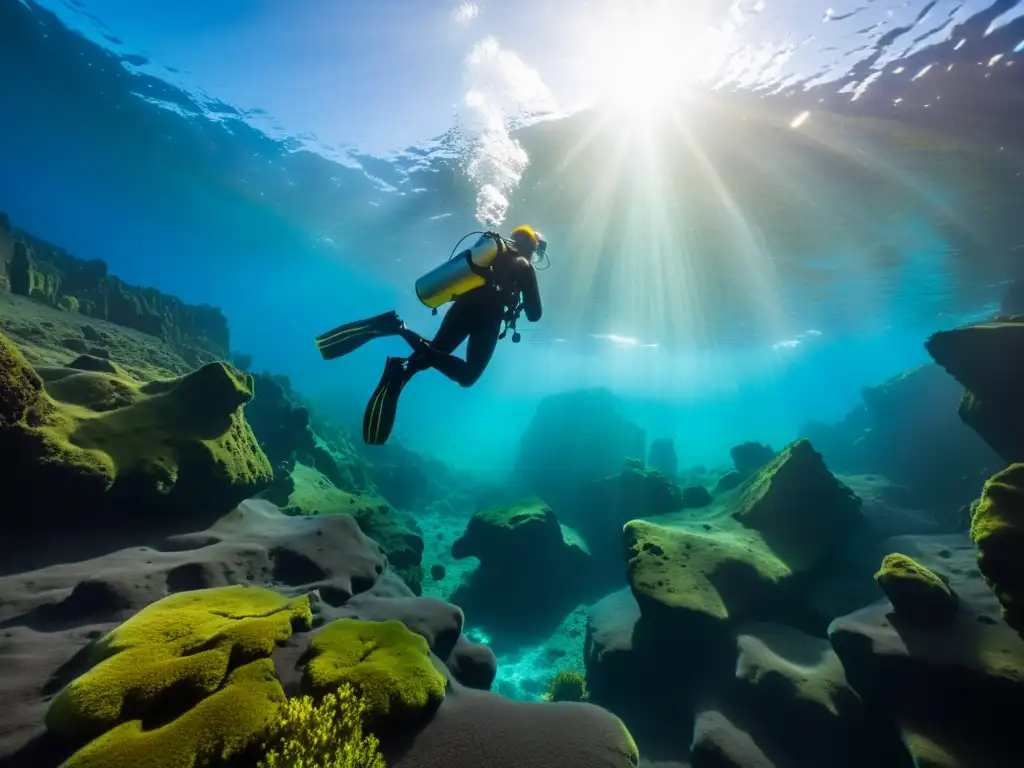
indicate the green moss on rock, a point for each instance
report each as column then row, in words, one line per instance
column 221, row 727
column 196, row 662
column 388, row 665
column 402, row 542
column 182, row 440
column 916, row 592
column 997, row 529
column 180, row 647
column 719, row 575
column 797, row 505
column 738, row 563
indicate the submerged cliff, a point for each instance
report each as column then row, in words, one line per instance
column 43, row 272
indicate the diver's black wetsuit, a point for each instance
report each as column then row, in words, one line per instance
column 477, row 315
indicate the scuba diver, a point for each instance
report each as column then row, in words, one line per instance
column 488, row 284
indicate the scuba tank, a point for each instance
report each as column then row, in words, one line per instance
column 462, row 272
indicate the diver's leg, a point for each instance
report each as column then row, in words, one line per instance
column 379, row 416
column 483, row 329
column 349, row 337
column 480, row 349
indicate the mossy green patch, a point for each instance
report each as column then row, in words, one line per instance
column 315, row 494
column 388, row 665
column 185, row 436
column 715, row 574
column 567, row 685
column 914, row 591
column 219, row 728
column 801, row 510
column 997, row 528
column 172, row 655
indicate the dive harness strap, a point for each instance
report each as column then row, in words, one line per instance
column 510, row 318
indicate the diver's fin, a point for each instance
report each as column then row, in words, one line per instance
column 379, row 418
column 349, row 337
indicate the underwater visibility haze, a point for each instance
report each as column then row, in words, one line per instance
column 376, row 376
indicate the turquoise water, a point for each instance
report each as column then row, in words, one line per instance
column 730, row 276
column 755, row 211
column 728, row 283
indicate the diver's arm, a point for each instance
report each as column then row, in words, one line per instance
column 530, row 291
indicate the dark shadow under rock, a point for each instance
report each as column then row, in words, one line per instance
column 532, row 570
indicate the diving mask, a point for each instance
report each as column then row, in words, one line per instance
column 540, row 253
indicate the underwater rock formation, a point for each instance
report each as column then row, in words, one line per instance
column 97, row 447
column 35, row 269
column 914, row 591
column 988, row 361
column 145, row 649
column 200, row 656
column 598, row 510
column 400, row 537
column 997, row 528
column 748, row 458
column 662, row 457
column 532, row 569
column 282, row 429
column 907, row 430
column 950, row 691
column 700, row 580
column 575, row 438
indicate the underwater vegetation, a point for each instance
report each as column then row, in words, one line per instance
column 198, row 570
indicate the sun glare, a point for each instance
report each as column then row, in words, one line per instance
column 639, row 56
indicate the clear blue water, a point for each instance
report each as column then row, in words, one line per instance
column 746, row 226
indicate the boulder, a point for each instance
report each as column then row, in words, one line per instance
column 599, row 509
column 949, row 689
column 986, row 358
column 748, row 458
column 532, row 569
column 400, row 538
column 916, row 592
column 997, row 528
column 282, row 428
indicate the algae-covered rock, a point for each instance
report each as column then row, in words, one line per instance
column 532, row 569
column 600, row 509
column 796, row 671
column 224, row 726
column 797, row 505
column 748, row 458
column 567, row 685
column 784, row 521
column 388, row 665
column 954, row 688
column 715, row 575
column 113, row 446
column 997, row 529
column 988, row 360
column 197, row 661
column 914, row 591
column 400, row 539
